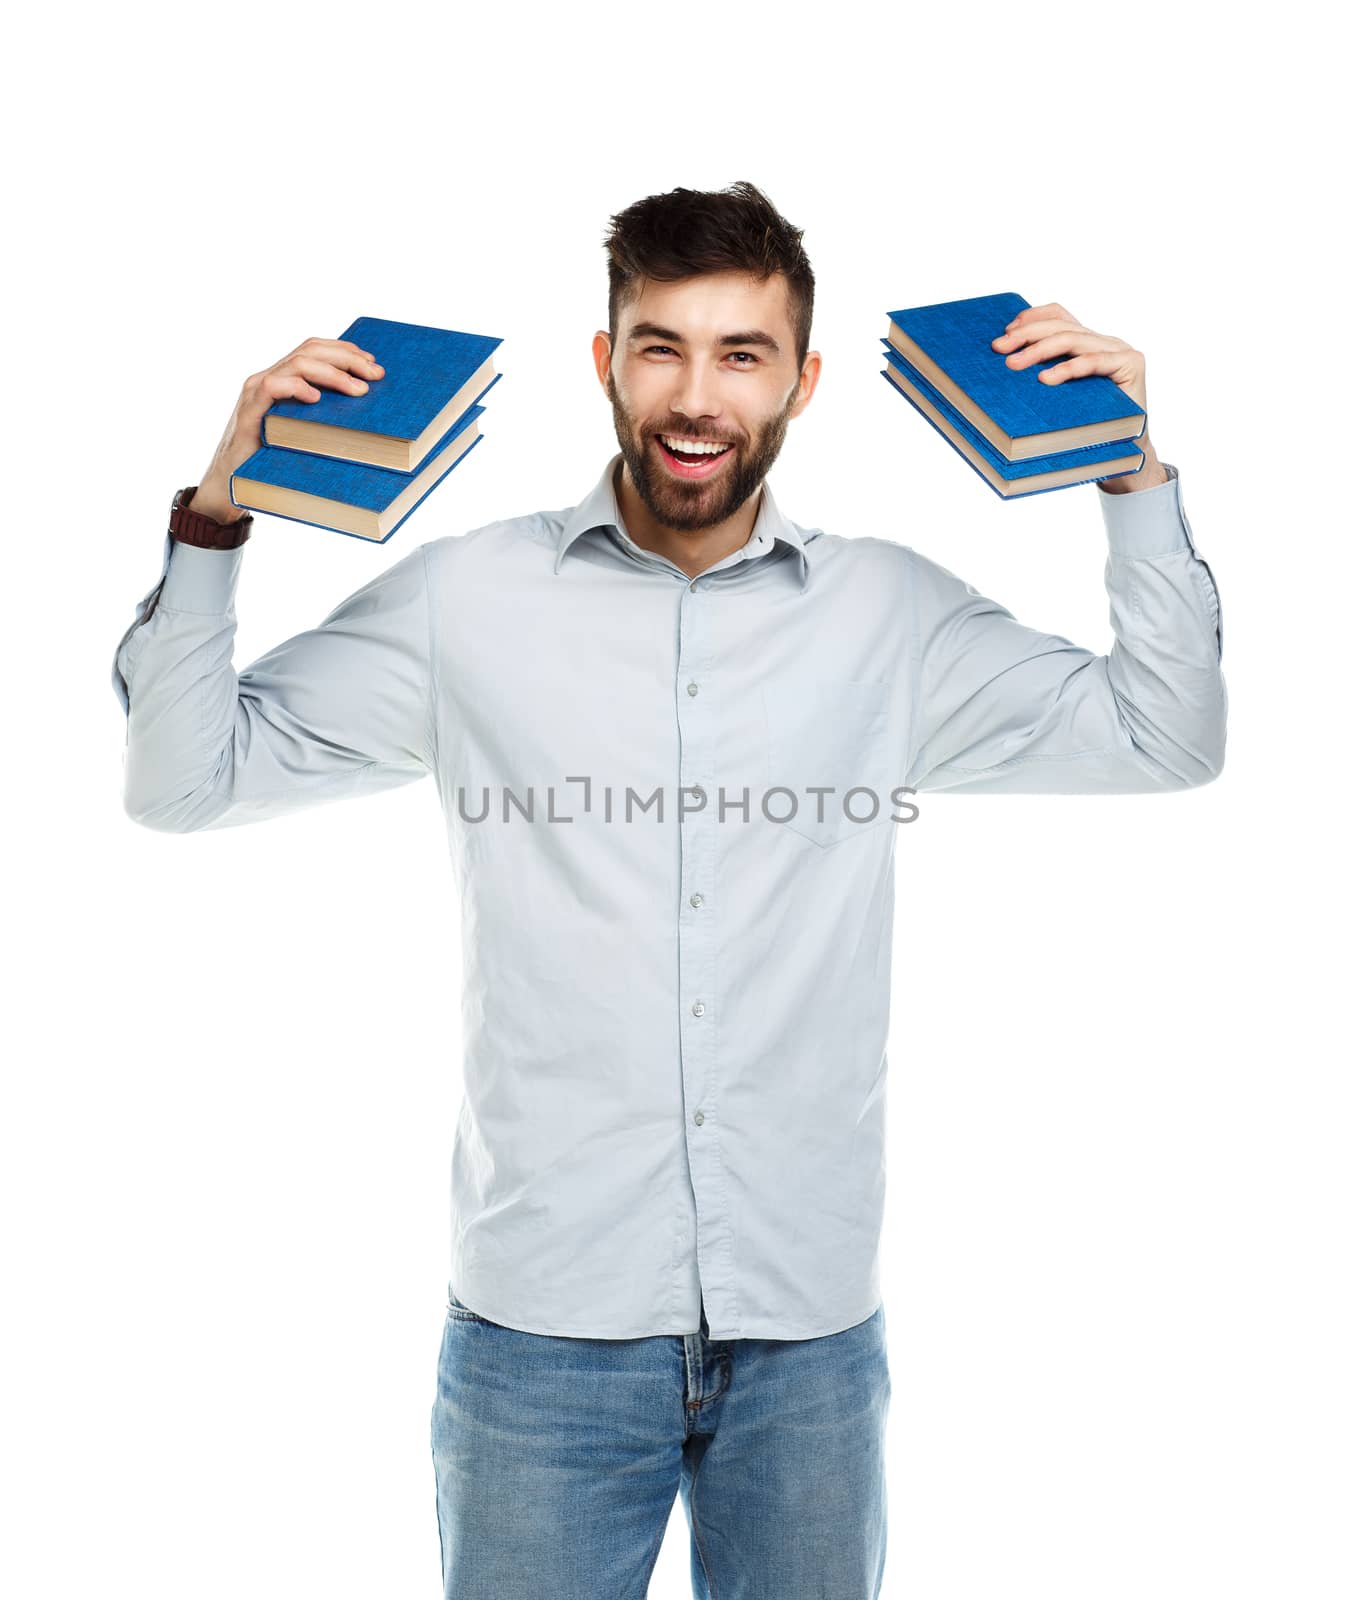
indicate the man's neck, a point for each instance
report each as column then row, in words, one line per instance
column 692, row 552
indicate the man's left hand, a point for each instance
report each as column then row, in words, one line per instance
column 1041, row 333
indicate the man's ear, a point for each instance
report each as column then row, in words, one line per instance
column 807, row 382
column 602, row 348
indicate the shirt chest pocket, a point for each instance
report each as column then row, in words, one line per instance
column 827, row 735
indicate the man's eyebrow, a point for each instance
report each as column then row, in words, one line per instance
column 654, row 330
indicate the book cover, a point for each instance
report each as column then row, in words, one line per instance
column 1008, row 479
column 951, row 347
column 432, row 376
column 349, row 496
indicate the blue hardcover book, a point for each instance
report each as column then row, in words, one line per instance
column 1009, row 479
column 432, row 376
column 349, row 496
column 950, row 345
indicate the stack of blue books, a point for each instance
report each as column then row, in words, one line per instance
column 361, row 464
column 1020, row 435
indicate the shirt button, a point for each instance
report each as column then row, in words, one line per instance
column 698, row 1118
column 698, row 1008
column 693, row 587
column 696, row 900
column 691, row 688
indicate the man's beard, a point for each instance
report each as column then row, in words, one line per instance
column 676, row 502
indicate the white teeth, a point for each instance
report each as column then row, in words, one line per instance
column 694, row 447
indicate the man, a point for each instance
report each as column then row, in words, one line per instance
column 658, row 721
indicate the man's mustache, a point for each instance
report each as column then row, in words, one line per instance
column 687, row 433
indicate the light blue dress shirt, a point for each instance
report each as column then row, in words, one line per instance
column 676, row 915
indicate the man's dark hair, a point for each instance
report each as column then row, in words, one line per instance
column 690, row 231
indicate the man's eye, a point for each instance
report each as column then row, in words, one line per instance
column 651, row 350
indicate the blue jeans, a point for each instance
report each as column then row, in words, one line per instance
column 558, row 1461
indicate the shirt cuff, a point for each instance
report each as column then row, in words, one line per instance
column 200, row 580
column 1145, row 522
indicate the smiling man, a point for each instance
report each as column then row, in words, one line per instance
column 674, row 734
column 709, row 362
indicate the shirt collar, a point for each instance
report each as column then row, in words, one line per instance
column 600, row 509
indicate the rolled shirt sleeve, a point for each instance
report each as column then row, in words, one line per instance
column 344, row 709
column 1004, row 709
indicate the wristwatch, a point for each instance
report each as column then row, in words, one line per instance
column 193, row 527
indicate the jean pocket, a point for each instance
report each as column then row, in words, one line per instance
column 827, row 738
column 457, row 1312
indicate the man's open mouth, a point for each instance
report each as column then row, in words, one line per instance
column 692, row 458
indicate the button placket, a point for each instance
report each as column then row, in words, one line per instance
column 696, row 716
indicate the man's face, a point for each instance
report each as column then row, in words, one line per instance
column 680, row 371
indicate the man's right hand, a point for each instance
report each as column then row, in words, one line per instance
column 314, row 365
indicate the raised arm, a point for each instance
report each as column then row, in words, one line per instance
column 345, row 709
column 1003, row 709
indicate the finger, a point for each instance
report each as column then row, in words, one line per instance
column 1023, row 333
column 349, row 360
column 331, row 375
column 1102, row 361
column 1051, row 310
column 1020, row 333
column 364, row 354
column 1073, row 341
column 342, row 352
column 287, row 386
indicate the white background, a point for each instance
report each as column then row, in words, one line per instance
column 1125, row 1247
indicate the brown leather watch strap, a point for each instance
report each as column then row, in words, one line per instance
column 193, row 527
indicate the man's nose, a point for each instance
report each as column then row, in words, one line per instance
column 697, row 391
